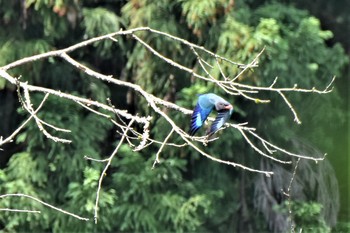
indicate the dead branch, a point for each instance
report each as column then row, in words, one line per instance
column 231, row 86
column 43, row 203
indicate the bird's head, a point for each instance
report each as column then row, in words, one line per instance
column 223, row 106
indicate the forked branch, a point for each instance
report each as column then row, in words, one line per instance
column 231, row 86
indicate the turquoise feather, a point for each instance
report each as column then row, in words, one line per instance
column 205, row 104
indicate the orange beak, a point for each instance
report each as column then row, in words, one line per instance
column 228, row 107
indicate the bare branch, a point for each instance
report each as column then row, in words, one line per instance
column 289, row 196
column 10, row 138
column 28, row 106
column 161, row 148
column 253, row 63
column 285, row 151
column 296, row 118
column 74, row 98
column 141, row 135
column 259, row 151
column 189, row 44
column 21, row 211
column 43, row 203
column 95, row 160
column 109, row 161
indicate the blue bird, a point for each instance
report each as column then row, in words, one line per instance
column 205, row 105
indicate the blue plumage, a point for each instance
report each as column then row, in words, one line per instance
column 206, row 103
column 199, row 115
column 220, row 120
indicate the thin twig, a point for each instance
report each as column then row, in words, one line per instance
column 21, row 211
column 169, row 61
column 230, row 86
column 28, row 106
column 260, row 151
column 253, row 63
column 289, row 196
column 189, row 44
column 296, row 118
column 43, row 203
column 285, row 151
column 95, row 160
column 74, row 98
column 161, row 148
column 10, row 138
column 109, row 161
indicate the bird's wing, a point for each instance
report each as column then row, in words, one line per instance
column 198, row 117
column 220, row 120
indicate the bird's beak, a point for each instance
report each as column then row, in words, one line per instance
column 228, row 107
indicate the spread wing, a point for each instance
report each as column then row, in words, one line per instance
column 198, row 117
column 220, row 120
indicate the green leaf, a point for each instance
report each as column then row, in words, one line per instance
column 2, row 83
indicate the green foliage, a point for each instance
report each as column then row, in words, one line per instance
column 154, row 14
column 303, row 45
column 51, row 25
column 146, row 201
column 186, row 192
column 342, row 227
column 161, row 199
column 28, row 48
column 97, row 22
column 83, row 195
column 19, row 177
column 200, row 16
column 295, row 52
column 9, row 50
column 188, row 93
column 307, row 216
column 45, row 165
column 2, row 84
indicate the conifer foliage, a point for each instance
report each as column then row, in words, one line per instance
column 184, row 192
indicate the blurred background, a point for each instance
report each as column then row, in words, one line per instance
column 307, row 43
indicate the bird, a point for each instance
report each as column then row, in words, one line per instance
column 205, row 104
